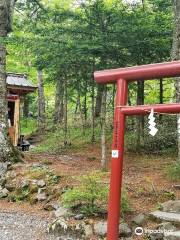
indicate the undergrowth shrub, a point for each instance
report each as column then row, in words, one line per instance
column 164, row 141
column 173, row 172
column 90, row 196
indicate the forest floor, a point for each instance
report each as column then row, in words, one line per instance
column 144, row 177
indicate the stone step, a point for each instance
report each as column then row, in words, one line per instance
column 166, row 216
column 172, row 235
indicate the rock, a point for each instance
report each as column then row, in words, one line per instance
column 38, row 165
column 100, row 228
column 3, row 192
column 163, row 230
column 79, row 217
column 2, row 181
column 124, row 238
column 10, row 186
column 48, row 207
column 88, row 230
column 140, row 219
column 171, row 206
column 4, row 167
column 17, row 165
column 166, row 216
column 124, row 230
column 66, row 230
column 41, row 190
column 34, row 182
column 11, row 174
column 56, row 205
column 168, row 226
column 25, row 183
column 41, row 197
column 41, row 183
column 33, row 200
column 51, row 206
column 33, row 188
column 172, row 235
column 156, row 236
column 60, row 212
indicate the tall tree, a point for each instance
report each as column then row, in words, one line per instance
column 176, row 56
column 7, row 152
column 103, row 130
column 59, row 101
column 41, row 100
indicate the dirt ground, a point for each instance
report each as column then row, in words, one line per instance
column 143, row 176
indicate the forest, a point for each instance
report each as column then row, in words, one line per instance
column 64, row 118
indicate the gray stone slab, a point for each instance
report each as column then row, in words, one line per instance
column 166, row 216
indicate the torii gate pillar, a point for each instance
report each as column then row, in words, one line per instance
column 122, row 76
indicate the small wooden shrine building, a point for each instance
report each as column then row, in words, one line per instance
column 17, row 86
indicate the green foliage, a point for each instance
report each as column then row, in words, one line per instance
column 19, row 195
column 70, row 41
column 173, row 172
column 53, row 141
column 165, row 141
column 170, row 195
column 90, row 196
column 125, row 205
column 28, row 126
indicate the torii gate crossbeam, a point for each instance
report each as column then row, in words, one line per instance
column 121, row 77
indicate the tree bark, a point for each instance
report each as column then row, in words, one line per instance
column 7, row 151
column 26, row 107
column 79, row 105
column 103, row 130
column 176, row 56
column 59, row 102
column 41, row 100
column 92, row 111
column 140, row 119
column 161, row 96
column 85, row 104
column 65, row 111
column 100, row 89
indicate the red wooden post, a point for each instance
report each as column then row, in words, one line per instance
column 117, row 161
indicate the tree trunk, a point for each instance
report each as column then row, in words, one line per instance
column 85, row 104
column 26, row 107
column 140, row 119
column 160, row 95
column 79, row 105
column 176, row 56
column 100, row 89
column 41, row 100
column 59, row 103
column 92, row 113
column 7, row 151
column 161, row 91
column 103, row 130
column 65, row 111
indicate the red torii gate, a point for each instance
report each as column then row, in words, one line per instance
column 122, row 77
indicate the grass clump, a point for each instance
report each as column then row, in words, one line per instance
column 173, row 172
column 44, row 173
column 19, row 195
column 90, row 196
